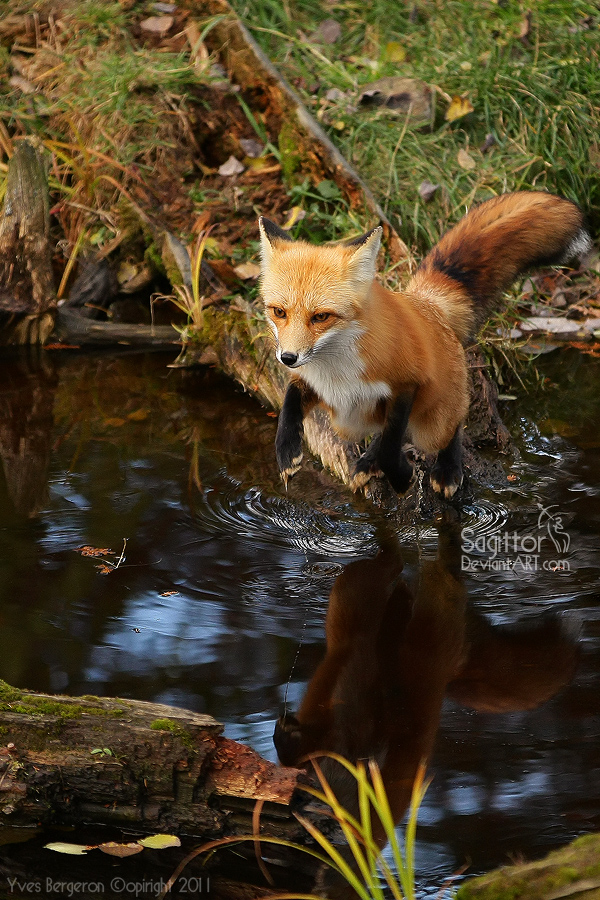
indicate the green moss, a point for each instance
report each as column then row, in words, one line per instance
column 534, row 881
column 176, row 730
column 153, row 257
column 291, row 159
column 13, row 700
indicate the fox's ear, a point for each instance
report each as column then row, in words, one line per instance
column 363, row 260
column 270, row 233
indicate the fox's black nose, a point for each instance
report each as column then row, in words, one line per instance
column 288, row 359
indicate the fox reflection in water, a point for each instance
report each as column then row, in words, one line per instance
column 394, row 651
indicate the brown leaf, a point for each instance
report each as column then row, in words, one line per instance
column 157, row 25
column 121, row 850
column 93, row 551
column 247, row 271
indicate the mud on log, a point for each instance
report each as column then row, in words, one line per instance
column 27, row 298
column 142, row 766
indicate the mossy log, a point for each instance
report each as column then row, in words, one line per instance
column 572, row 871
column 135, row 765
column 27, row 297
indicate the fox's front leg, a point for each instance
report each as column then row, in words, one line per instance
column 385, row 450
column 297, row 403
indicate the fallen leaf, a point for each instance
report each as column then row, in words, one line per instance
column 22, row 84
column 262, row 164
column 93, row 551
column 169, row 593
column 295, row 215
column 328, row 189
column 328, row 32
column 251, row 147
column 551, row 325
column 72, row 849
column 160, row 841
column 247, row 271
column 427, row 190
column 459, row 107
column 232, row 167
column 115, row 422
column 334, row 95
column 394, row 52
column 157, row 25
column 466, row 161
column 121, row 850
column 511, row 477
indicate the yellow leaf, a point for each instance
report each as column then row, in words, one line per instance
column 394, row 52
column 459, row 107
column 295, row 215
column 114, row 423
column 160, row 841
column 465, row 161
column 72, row 849
column 259, row 163
column 339, row 125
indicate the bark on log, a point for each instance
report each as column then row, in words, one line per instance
column 27, row 298
column 133, row 764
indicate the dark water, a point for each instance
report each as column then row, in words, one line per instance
column 222, row 595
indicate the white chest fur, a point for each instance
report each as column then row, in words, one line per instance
column 335, row 371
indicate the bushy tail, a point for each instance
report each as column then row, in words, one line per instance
column 478, row 259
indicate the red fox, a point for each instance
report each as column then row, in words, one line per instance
column 390, row 364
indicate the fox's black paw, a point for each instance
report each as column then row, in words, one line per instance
column 366, row 466
column 446, row 478
column 400, row 476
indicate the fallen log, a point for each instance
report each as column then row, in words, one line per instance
column 133, row 764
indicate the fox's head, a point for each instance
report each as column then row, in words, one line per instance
column 313, row 294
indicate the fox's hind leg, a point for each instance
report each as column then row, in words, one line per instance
column 447, row 475
column 385, row 450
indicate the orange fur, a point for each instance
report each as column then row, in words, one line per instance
column 355, row 346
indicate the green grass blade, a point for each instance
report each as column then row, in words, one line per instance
column 336, row 858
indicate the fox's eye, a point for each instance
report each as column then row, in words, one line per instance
column 321, row 317
column 279, row 312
